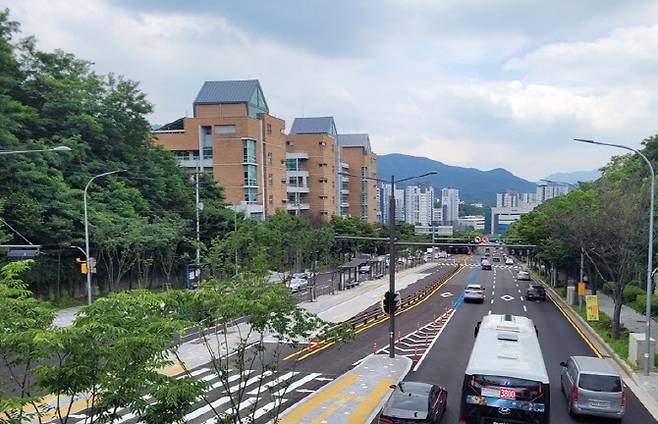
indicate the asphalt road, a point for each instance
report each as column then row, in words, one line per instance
column 446, row 362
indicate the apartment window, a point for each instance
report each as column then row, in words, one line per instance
column 323, row 196
column 290, row 143
column 324, row 213
column 323, row 180
column 322, row 143
column 195, row 154
column 269, row 158
column 181, row 154
column 270, row 198
column 207, row 152
column 364, row 192
column 292, row 165
column 224, row 129
column 249, row 151
column 322, row 164
column 270, row 179
column 250, row 194
column 269, row 128
column 249, row 175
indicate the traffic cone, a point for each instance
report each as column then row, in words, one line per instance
column 426, row 343
column 415, row 358
column 398, row 337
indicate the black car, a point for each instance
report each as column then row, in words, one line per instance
column 413, row 402
column 535, row 292
column 496, row 258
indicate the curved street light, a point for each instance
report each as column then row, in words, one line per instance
column 58, row 149
column 647, row 334
column 87, row 253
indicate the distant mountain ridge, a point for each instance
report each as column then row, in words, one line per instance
column 474, row 185
column 575, row 177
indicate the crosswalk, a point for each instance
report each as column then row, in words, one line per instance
column 477, row 265
column 263, row 393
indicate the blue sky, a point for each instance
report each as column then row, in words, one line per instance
column 478, row 83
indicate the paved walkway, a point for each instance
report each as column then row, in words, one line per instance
column 635, row 323
column 355, row 397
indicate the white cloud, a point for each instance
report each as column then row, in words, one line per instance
column 490, row 95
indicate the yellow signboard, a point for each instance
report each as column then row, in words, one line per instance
column 592, row 305
column 581, row 289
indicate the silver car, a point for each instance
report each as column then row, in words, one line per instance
column 593, row 387
column 474, row 293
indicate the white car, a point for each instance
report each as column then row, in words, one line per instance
column 509, row 261
column 523, row 275
column 474, row 292
column 297, row 282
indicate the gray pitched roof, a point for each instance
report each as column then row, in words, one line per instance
column 319, row 125
column 216, row 92
column 354, row 140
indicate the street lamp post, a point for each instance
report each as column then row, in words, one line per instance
column 649, row 247
column 58, row 149
column 87, row 252
column 391, row 251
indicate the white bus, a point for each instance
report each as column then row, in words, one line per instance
column 505, row 380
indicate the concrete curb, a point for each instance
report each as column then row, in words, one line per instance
column 649, row 402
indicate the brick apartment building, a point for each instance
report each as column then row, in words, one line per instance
column 233, row 136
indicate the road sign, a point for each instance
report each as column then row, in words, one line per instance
column 477, row 239
column 581, row 289
column 592, row 306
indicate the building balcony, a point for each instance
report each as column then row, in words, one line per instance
column 344, row 191
column 344, row 178
column 300, row 206
column 193, row 163
column 297, row 174
column 344, row 204
column 297, row 155
column 248, row 208
column 344, row 165
column 296, row 188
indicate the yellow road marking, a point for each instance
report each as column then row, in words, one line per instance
column 318, row 399
column 365, row 408
column 329, row 411
column 591, row 346
column 379, row 321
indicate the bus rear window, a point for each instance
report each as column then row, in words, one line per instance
column 506, row 387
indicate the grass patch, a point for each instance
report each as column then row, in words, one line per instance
column 603, row 328
column 68, row 302
column 561, row 291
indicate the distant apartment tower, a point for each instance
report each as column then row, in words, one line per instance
column 437, row 215
column 471, row 222
column 357, row 158
column 232, row 136
column 547, row 190
column 419, row 204
column 512, row 199
column 312, row 168
column 384, row 203
column 450, row 205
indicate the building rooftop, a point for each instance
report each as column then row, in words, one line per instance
column 354, row 140
column 239, row 91
column 317, row 125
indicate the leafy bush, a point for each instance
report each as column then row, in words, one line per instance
column 640, row 304
column 631, row 292
column 608, row 288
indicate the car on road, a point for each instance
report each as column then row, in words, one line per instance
column 298, row 282
column 523, row 275
column 474, row 293
column 535, row 292
column 485, row 264
column 509, row 261
column 496, row 258
column 365, row 269
column 592, row 386
column 414, row 402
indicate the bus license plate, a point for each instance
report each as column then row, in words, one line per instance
column 506, row 393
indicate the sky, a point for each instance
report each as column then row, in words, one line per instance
column 474, row 83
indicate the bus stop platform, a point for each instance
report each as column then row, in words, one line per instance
column 355, row 397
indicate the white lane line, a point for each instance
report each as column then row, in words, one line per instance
column 492, row 301
column 273, row 383
column 489, row 312
column 525, row 309
column 445, row 324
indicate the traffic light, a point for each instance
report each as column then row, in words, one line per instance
column 83, row 265
column 390, row 302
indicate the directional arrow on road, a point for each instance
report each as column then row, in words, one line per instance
column 507, row 297
column 446, row 294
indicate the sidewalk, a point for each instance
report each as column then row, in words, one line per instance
column 355, row 397
column 635, row 323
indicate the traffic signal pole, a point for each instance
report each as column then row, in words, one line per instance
column 391, row 269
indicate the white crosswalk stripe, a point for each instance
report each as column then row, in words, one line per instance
column 262, row 393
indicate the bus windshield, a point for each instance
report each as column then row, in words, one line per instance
column 494, row 399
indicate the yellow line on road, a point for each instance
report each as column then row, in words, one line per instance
column 564, row 314
column 374, row 323
column 363, row 411
column 318, row 399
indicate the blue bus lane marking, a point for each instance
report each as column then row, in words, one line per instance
column 458, row 302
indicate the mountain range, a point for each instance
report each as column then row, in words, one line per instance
column 474, row 185
column 575, row 177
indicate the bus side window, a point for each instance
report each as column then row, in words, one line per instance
column 477, row 329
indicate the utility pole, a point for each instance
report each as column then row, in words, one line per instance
column 391, row 269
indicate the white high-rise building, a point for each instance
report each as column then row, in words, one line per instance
column 419, row 204
column 450, row 205
column 547, row 190
column 384, row 192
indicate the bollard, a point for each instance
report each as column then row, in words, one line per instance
column 374, row 348
column 415, row 358
column 427, row 344
column 398, row 337
column 417, row 327
column 434, row 319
